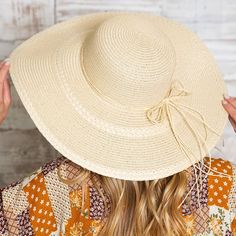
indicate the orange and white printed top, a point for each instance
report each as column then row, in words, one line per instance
column 40, row 204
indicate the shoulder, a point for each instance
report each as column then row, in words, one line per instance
column 222, row 194
column 217, row 196
column 222, row 175
column 220, row 164
column 221, row 181
column 214, row 166
column 218, row 182
column 42, row 171
column 22, row 202
column 44, row 175
column 41, row 201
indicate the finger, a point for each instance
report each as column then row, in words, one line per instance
column 7, row 93
column 230, row 109
column 1, row 64
column 3, row 75
column 233, row 123
column 232, row 101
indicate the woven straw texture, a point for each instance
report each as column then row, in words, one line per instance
column 87, row 82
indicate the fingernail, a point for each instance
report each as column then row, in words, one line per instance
column 226, row 96
column 224, row 102
column 7, row 61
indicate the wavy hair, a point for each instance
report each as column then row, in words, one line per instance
column 139, row 208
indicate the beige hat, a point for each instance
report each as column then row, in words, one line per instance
column 128, row 95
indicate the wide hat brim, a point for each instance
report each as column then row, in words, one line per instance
column 47, row 75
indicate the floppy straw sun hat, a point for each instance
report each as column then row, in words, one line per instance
column 129, row 95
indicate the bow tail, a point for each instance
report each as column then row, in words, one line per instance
column 199, row 139
column 204, row 142
column 184, row 148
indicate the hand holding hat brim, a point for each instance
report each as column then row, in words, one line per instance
column 229, row 103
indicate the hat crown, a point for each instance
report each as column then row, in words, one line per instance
column 128, row 59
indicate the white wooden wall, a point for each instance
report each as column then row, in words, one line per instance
column 213, row 20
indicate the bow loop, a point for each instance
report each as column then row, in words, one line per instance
column 157, row 113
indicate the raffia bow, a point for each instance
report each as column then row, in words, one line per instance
column 157, row 113
column 162, row 111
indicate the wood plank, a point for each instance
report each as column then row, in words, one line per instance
column 212, row 31
column 216, row 11
column 21, row 19
column 209, row 19
column 224, row 52
column 74, row 7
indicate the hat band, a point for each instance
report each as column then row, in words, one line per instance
column 156, row 113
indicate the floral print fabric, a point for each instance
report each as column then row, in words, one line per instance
column 217, row 201
column 41, row 204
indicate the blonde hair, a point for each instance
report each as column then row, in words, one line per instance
column 139, row 208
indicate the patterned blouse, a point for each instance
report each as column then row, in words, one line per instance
column 41, row 204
